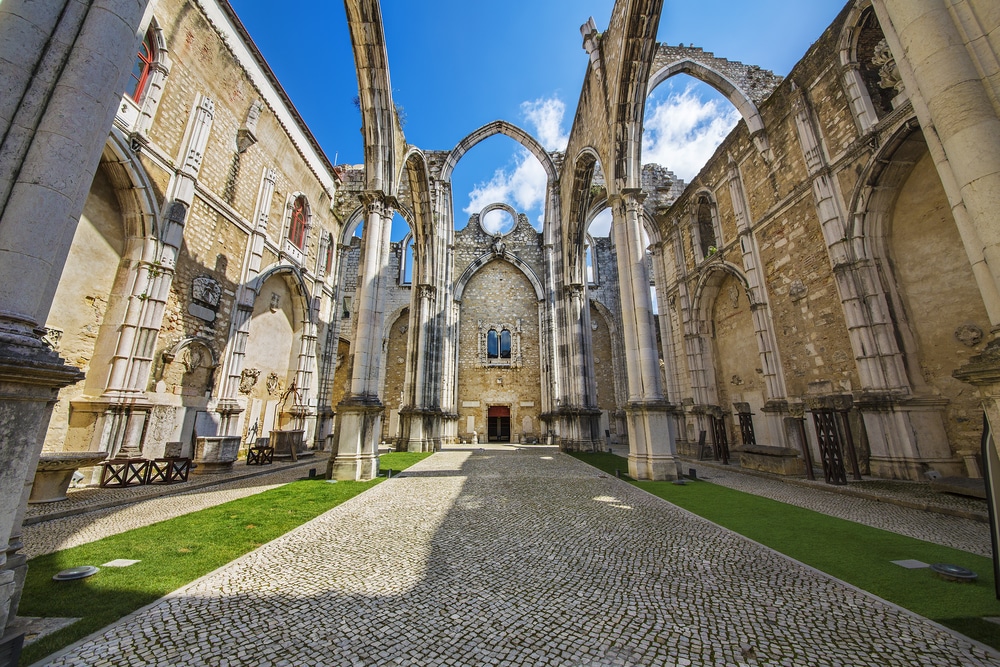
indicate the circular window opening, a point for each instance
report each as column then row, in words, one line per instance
column 499, row 220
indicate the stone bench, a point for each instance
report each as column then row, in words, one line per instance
column 775, row 460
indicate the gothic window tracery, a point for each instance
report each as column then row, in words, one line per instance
column 500, row 344
column 706, row 234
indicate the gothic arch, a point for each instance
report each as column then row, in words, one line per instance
column 192, row 341
column 117, row 281
column 358, row 218
column 507, row 129
column 708, row 283
column 872, row 204
column 485, row 259
column 379, row 121
column 857, row 21
column 133, row 187
column 671, row 60
column 420, row 216
column 294, row 276
column 580, row 207
column 905, row 319
column 637, row 51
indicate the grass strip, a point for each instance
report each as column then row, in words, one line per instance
column 855, row 553
column 172, row 553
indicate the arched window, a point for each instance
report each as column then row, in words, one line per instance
column 142, row 66
column 706, row 227
column 498, row 344
column 297, row 227
column 492, row 345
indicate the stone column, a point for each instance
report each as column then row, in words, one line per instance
column 421, row 426
column 60, row 96
column 359, row 416
column 652, row 432
column 579, row 417
column 941, row 49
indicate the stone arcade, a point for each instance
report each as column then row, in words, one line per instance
column 196, row 267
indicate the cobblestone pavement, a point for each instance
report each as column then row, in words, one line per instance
column 518, row 558
column 950, row 531
column 147, row 508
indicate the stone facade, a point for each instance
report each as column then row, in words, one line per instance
column 223, row 325
column 841, row 301
column 212, row 282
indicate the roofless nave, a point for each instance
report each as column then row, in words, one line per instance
column 194, row 277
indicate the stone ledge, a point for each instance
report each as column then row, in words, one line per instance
column 774, row 460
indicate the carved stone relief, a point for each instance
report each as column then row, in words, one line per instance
column 969, row 335
column 248, row 378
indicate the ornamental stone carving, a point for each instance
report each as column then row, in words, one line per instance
column 273, row 384
column 886, row 62
column 206, row 290
column 516, row 357
column 969, row 335
column 248, row 378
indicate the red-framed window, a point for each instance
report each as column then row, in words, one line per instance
column 297, row 228
column 142, row 67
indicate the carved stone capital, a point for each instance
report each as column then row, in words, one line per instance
column 377, row 201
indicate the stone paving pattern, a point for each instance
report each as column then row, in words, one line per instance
column 518, row 558
column 950, row 531
column 147, row 507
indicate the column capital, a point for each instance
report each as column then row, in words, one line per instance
column 377, row 201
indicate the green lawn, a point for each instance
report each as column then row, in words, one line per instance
column 172, row 553
column 857, row 554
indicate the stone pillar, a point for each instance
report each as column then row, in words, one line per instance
column 941, row 48
column 359, row 416
column 60, row 96
column 652, row 431
column 421, row 419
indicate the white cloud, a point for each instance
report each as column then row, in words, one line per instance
column 683, row 131
column 601, row 224
column 523, row 186
column 546, row 115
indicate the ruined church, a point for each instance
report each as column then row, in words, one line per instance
column 184, row 271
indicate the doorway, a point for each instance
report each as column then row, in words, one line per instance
column 498, row 423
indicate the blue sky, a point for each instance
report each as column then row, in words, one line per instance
column 458, row 64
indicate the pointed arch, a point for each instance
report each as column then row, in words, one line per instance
column 639, row 46
column 485, row 259
column 420, row 215
column 509, row 130
column 581, row 204
column 303, row 296
column 715, row 79
column 379, row 121
column 708, row 285
column 858, row 19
